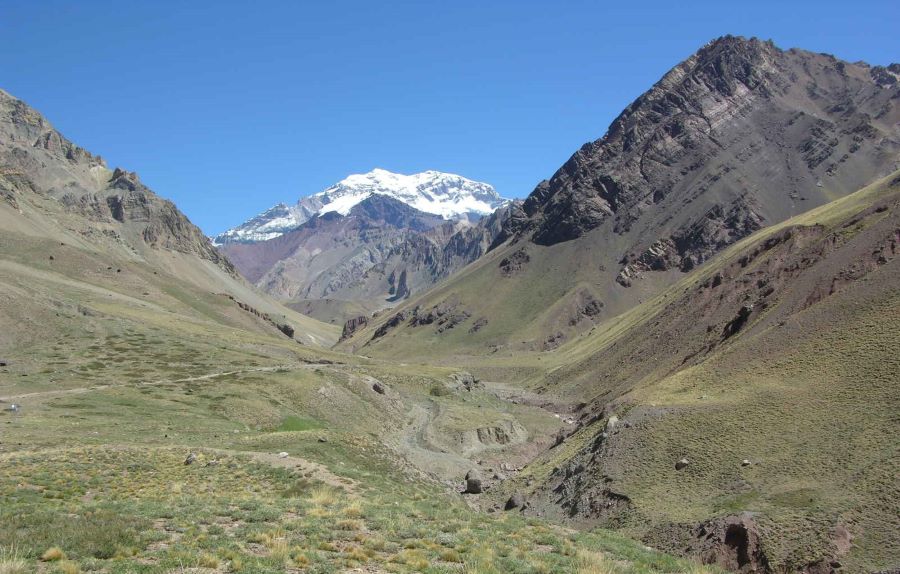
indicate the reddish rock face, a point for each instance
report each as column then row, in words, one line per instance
column 738, row 135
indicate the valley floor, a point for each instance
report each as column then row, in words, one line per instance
column 295, row 466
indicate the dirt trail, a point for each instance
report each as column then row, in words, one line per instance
column 511, row 393
column 415, row 441
column 411, row 441
column 206, row 377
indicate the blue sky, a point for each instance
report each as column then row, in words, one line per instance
column 227, row 107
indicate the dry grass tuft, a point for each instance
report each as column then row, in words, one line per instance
column 10, row 563
column 207, row 560
column 53, row 554
column 589, row 562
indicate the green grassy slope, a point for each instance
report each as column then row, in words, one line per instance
column 54, row 251
column 520, row 309
column 123, row 362
column 92, row 464
column 127, row 343
column 806, row 391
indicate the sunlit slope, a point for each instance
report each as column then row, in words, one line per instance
column 773, row 371
column 121, row 363
column 69, row 219
column 527, row 299
column 50, row 271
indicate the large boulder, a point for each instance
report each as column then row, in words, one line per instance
column 517, row 500
column 473, row 482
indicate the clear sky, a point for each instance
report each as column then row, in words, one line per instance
column 230, row 107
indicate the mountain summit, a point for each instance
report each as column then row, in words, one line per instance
column 740, row 134
column 445, row 194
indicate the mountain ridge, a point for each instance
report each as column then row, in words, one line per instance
column 739, row 136
column 638, row 163
column 54, row 191
column 663, row 338
column 449, row 195
column 378, row 254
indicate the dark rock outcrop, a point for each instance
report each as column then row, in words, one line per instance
column 391, row 323
column 285, row 328
column 445, row 316
column 353, row 325
column 511, row 265
column 732, row 543
column 517, row 500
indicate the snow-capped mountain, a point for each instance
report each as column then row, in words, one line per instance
column 445, row 194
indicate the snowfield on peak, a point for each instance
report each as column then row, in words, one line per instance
column 448, row 195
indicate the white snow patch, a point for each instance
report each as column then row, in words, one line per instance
column 448, row 195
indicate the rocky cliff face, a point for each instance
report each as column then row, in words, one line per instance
column 36, row 159
column 379, row 253
column 740, row 135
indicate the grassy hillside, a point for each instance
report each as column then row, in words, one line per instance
column 160, row 415
column 93, row 475
column 55, row 255
column 119, row 362
column 804, row 390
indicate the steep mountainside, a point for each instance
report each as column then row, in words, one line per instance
column 447, row 195
column 38, row 159
column 740, row 136
column 377, row 254
column 748, row 412
column 68, row 219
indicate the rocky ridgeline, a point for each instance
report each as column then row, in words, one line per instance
column 35, row 158
column 285, row 328
column 740, row 135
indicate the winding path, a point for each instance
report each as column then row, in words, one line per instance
column 206, row 377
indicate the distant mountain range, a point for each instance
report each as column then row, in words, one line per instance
column 449, row 196
column 367, row 242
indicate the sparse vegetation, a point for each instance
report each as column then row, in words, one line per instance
column 212, row 527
